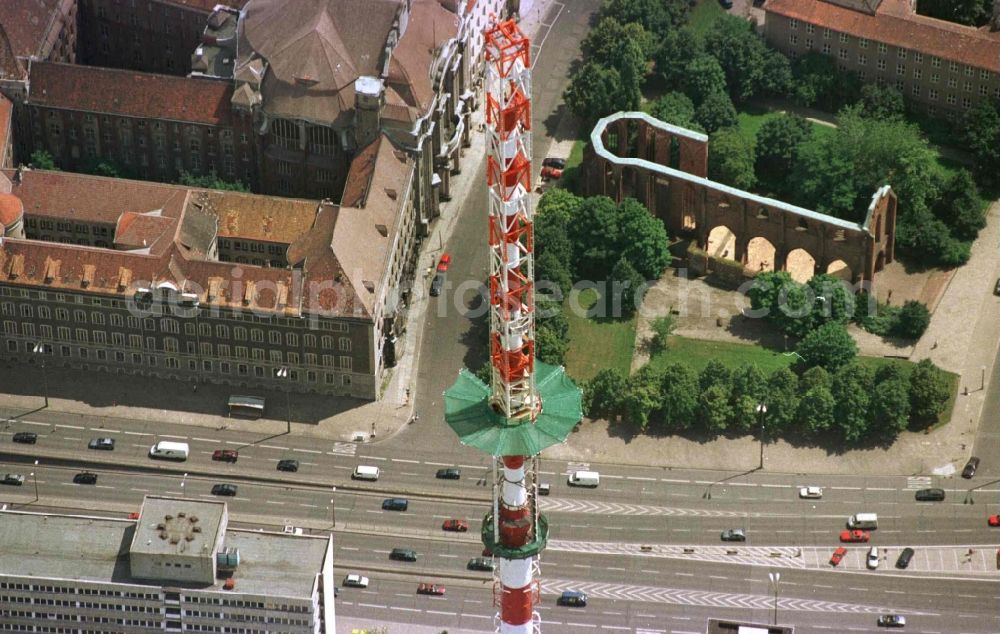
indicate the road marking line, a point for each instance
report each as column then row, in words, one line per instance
column 70, row 426
column 110, row 431
column 440, row 612
column 370, row 605
column 437, row 464
column 169, row 436
column 273, row 502
column 274, row 447
column 307, row 450
column 204, row 439
column 639, row 478
column 405, row 460
column 137, row 433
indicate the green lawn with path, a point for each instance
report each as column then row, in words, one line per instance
column 596, row 344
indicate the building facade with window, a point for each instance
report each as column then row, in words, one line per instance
column 178, row 567
column 943, row 66
column 151, row 126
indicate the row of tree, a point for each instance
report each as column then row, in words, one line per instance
column 852, row 404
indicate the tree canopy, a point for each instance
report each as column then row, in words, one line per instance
column 731, row 158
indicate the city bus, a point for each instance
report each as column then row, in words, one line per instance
column 246, row 406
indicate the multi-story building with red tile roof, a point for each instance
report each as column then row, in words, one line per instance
column 146, row 278
column 946, row 67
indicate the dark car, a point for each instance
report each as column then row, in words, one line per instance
column 228, row 490
column 85, row 478
column 403, row 554
column 106, row 444
column 904, row 558
column 970, row 467
column 395, row 504
column 26, row 437
column 734, row 535
column 288, row 465
column 891, row 620
column 436, row 284
column 225, row 455
column 13, row 479
column 551, row 161
column 451, row 473
column 572, row 599
column 929, row 495
column 481, row 563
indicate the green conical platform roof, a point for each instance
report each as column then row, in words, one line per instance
column 468, row 412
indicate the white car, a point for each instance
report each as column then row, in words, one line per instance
column 811, row 493
column 873, row 558
column 356, row 581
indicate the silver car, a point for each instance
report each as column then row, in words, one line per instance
column 873, row 558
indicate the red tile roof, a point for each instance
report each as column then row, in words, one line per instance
column 94, row 198
column 128, row 93
column 27, row 23
column 6, row 121
column 895, row 24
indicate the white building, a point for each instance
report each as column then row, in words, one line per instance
column 178, row 568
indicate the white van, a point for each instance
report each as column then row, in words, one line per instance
column 168, row 450
column 362, row 472
column 863, row 520
column 584, row 479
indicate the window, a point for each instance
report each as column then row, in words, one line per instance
column 952, row 82
column 901, row 53
column 257, row 335
column 882, row 48
column 827, row 33
column 222, row 332
column 842, row 53
column 810, row 28
column 968, row 86
column 793, row 39
column 291, row 340
column 809, row 43
column 900, row 85
column 862, row 59
column 826, row 49
column 918, row 58
column 936, row 62
column 862, row 42
column 983, row 90
column 966, row 102
column 915, row 90
column 881, row 64
column 917, row 73
column 240, row 333
column 345, row 362
column 843, row 38
column 285, row 134
column 953, row 67
column 344, row 344
column 900, row 69
column 284, row 168
column 934, row 78
column 951, row 99
column 793, row 24
column 969, row 72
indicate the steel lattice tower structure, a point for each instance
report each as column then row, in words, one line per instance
column 528, row 406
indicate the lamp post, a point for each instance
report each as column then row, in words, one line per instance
column 333, row 508
column 775, row 577
column 182, row 484
column 762, row 410
column 40, row 349
column 283, row 373
column 34, row 480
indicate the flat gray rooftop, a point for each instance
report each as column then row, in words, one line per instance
column 170, row 526
column 96, row 549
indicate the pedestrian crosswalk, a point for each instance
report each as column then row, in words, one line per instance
column 567, row 505
column 577, row 466
column 918, row 482
column 345, row 448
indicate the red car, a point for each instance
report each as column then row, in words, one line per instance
column 459, row 526
column 994, row 520
column 444, row 262
column 430, row 588
column 551, row 173
column 855, row 536
column 226, row 455
column 837, row 556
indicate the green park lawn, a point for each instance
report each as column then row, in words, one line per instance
column 703, row 14
column 596, row 344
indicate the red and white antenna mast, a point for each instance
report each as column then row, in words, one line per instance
column 507, row 419
column 512, row 306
